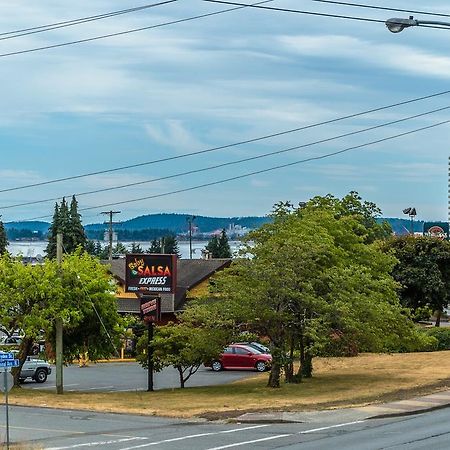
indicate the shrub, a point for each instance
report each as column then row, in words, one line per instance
column 442, row 336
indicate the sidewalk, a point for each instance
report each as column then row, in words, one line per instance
column 415, row 405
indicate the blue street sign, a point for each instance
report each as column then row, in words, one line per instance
column 6, row 356
column 9, row 363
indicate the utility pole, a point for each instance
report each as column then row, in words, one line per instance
column 190, row 219
column 59, row 327
column 110, row 230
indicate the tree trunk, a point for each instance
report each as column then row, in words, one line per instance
column 24, row 351
column 438, row 318
column 306, row 366
column 289, row 365
column 180, row 373
column 274, row 377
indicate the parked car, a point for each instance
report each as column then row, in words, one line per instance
column 12, row 340
column 36, row 369
column 237, row 356
column 256, row 345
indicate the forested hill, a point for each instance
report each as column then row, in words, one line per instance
column 175, row 223
column 178, row 223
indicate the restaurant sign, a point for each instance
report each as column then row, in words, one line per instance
column 150, row 273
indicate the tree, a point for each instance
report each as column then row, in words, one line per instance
column 135, row 248
column 309, row 276
column 155, row 246
column 3, row 239
column 182, row 346
column 219, row 247
column 68, row 222
column 169, row 246
column 32, row 297
column 75, row 231
column 423, row 271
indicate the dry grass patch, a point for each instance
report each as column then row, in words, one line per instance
column 337, row 382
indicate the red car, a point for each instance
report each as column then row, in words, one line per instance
column 242, row 357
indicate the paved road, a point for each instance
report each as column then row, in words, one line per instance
column 131, row 376
column 59, row 429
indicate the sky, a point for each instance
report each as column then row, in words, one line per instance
column 211, row 82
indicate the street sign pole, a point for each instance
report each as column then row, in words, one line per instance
column 6, row 406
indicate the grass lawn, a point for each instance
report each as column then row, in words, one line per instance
column 337, row 382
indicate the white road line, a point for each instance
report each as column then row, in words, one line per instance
column 239, row 444
column 193, row 436
column 93, row 444
column 279, row 436
column 100, row 387
column 315, row 430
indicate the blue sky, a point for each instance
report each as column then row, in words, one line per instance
column 211, row 82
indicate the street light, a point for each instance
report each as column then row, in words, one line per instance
column 411, row 213
column 396, row 25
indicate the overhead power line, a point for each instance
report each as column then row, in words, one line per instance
column 382, row 8
column 230, row 163
column 69, row 23
column 297, row 11
column 235, row 144
column 134, row 30
column 258, row 172
column 313, row 13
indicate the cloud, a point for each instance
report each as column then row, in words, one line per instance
column 407, row 59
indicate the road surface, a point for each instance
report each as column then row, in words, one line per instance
column 62, row 429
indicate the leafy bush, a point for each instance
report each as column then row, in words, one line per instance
column 442, row 336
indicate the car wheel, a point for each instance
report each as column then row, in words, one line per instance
column 216, row 366
column 40, row 376
column 260, row 366
column 21, row 380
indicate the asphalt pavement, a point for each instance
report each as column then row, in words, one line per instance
column 130, row 376
column 41, row 428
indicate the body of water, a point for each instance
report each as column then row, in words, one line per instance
column 37, row 248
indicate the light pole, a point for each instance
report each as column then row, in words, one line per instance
column 396, row 25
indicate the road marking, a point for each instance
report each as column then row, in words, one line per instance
column 93, row 444
column 238, row 444
column 314, row 430
column 193, row 436
column 101, row 387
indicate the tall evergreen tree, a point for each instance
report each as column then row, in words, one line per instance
column 219, row 247
column 224, row 250
column 155, row 246
column 3, row 239
column 76, row 235
column 68, row 222
column 52, row 232
column 169, row 246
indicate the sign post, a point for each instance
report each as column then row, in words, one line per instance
column 149, row 276
column 6, row 362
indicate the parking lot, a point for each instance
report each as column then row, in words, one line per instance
column 130, row 376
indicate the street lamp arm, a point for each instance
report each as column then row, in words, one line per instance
column 397, row 25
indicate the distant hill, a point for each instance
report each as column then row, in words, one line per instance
column 178, row 223
column 41, row 227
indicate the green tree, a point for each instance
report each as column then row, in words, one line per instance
column 33, row 296
column 52, row 233
column 3, row 239
column 169, row 246
column 310, row 275
column 155, row 246
column 68, row 222
column 423, row 271
column 219, row 247
column 75, row 232
column 182, row 346
column 135, row 248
